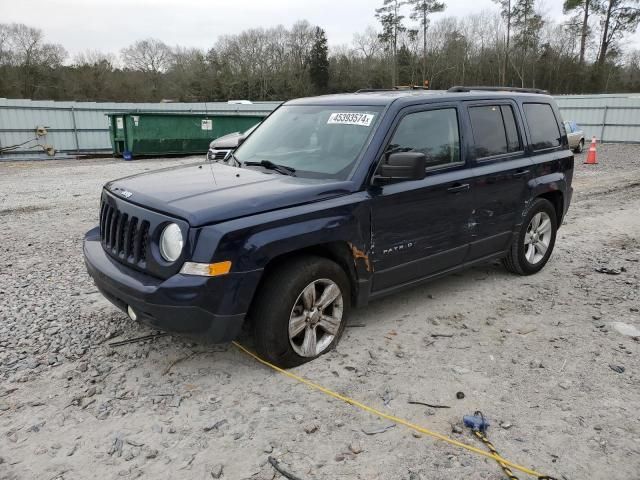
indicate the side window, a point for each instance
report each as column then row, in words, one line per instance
column 513, row 140
column 434, row 133
column 494, row 130
column 543, row 126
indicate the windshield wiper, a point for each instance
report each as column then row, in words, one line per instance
column 269, row 165
column 235, row 160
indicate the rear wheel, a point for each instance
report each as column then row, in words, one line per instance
column 580, row 147
column 532, row 248
column 300, row 312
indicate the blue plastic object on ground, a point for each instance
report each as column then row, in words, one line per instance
column 476, row 422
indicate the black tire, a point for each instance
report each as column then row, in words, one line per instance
column 580, row 147
column 516, row 261
column 277, row 298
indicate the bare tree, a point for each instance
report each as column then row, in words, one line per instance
column 151, row 57
column 5, row 50
column 367, row 43
column 32, row 56
column 94, row 57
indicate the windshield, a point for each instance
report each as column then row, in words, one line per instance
column 316, row 141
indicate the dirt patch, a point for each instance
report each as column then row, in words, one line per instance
column 22, row 210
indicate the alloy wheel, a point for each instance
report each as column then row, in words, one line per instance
column 537, row 238
column 316, row 318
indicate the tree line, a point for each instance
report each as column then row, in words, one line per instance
column 515, row 45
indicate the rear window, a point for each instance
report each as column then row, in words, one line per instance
column 542, row 125
column 494, row 130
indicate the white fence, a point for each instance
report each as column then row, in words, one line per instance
column 81, row 128
column 609, row 118
column 77, row 128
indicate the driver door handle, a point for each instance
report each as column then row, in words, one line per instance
column 458, row 187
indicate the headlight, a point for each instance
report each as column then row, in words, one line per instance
column 171, row 242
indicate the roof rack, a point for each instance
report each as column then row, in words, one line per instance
column 392, row 89
column 498, row 89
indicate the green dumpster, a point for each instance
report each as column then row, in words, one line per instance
column 138, row 134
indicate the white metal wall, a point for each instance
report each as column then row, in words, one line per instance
column 609, row 118
column 82, row 127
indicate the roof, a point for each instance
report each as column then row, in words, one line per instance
column 407, row 97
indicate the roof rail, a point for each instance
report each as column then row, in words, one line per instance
column 498, row 89
column 392, row 89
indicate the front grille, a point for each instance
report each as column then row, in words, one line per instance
column 123, row 236
column 218, row 154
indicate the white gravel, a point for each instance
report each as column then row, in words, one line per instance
column 537, row 355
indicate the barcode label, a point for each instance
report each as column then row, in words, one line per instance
column 362, row 119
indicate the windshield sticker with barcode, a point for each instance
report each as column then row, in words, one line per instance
column 362, row 119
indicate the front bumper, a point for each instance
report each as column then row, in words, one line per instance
column 213, row 307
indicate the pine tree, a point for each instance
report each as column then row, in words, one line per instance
column 391, row 21
column 584, row 9
column 319, row 61
column 421, row 9
column 507, row 14
column 527, row 25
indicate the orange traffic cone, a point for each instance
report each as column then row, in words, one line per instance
column 592, row 156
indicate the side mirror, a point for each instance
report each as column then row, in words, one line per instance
column 403, row 166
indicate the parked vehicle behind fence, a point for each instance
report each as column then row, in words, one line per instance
column 221, row 148
column 330, row 203
column 575, row 136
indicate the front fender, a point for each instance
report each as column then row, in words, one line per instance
column 250, row 243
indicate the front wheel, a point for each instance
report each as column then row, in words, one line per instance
column 301, row 311
column 531, row 249
column 580, row 147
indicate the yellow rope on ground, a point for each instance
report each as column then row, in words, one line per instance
column 391, row 418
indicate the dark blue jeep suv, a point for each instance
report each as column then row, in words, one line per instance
column 331, row 202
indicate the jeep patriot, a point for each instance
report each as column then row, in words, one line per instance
column 331, row 202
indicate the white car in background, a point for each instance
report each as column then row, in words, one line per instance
column 575, row 135
column 221, row 148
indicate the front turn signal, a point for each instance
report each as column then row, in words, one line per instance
column 206, row 269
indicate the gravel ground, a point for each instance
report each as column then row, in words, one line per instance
column 541, row 356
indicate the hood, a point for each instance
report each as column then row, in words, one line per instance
column 213, row 192
column 230, row 140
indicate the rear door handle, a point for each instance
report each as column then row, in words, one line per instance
column 520, row 173
column 458, row 188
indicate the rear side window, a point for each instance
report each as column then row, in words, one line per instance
column 434, row 133
column 542, row 125
column 494, row 130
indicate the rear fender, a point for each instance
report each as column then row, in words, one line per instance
column 543, row 186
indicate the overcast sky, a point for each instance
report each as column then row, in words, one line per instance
column 110, row 25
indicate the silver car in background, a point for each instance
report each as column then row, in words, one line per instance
column 575, row 134
column 221, row 148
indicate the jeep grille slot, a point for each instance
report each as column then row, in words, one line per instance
column 123, row 236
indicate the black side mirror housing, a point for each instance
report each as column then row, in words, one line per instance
column 404, row 166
